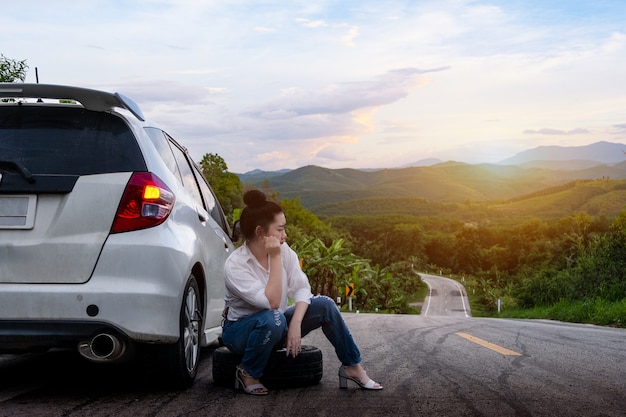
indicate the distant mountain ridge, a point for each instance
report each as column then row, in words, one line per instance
column 254, row 175
column 423, row 163
column 559, row 157
column 449, row 181
column 599, row 152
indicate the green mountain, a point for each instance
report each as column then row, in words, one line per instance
column 599, row 152
column 449, row 182
column 595, row 197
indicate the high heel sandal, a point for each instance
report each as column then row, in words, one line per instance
column 343, row 381
column 241, row 373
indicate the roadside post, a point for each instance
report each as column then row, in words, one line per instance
column 350, row 294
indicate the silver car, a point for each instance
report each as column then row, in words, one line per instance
column 111, row 240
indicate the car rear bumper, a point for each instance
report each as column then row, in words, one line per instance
column 16, row 335
column 147, row 314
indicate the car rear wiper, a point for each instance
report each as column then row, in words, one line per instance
column 19, row 167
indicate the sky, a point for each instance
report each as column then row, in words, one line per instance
column 342, row 84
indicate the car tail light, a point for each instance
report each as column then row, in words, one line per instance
column 146, row 202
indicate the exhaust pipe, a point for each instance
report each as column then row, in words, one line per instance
column 103, row 347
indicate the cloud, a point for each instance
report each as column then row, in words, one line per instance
column 341, row 98
column 195, row 71
column 392, row 126
column 335, row 153
column 264, row 29
column 311, row 23
column 343, row 111
column 549, row 131
column 615, row 43
column 93, row 46
column 348, row 38
column 619, row 130
column 270, row 157
column 165, row 91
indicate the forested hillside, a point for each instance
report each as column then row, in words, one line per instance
column 595, row 197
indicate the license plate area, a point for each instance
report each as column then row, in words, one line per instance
column 17, row 211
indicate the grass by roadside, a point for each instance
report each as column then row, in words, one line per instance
column 596, row 311
column 593, row 311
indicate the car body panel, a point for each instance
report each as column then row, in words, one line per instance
column 67, row 236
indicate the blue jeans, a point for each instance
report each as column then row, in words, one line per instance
column 256, row 336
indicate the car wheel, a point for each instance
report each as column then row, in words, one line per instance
column 177, row 364
column 281, row 371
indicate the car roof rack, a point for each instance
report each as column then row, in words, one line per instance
column 90, row 99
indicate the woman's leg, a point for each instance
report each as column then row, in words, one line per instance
column 324, row 313
column 254, row 337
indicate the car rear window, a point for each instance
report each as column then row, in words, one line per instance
column 67, row 141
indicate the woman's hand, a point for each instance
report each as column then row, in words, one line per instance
column 272, row 245
column 294, row 339
column 294, row 333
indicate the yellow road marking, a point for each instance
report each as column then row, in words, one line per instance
column 488, row 345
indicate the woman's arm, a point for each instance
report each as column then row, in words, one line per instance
column 294, row 334
column 274, row 288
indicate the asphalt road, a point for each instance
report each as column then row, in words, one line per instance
column 430, row 365
column 446, row 297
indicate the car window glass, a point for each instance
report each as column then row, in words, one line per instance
column 189, row 181
column 67, row 141
column 161, row 143
column 209, row 199
column 212, row 206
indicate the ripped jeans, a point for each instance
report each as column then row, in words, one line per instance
column 255, row 337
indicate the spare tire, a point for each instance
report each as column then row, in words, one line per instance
column 282, row 371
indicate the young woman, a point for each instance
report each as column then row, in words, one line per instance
column 260, row 276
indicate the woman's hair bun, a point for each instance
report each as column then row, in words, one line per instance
column 254, row 198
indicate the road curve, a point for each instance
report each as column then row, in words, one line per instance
column 446, row 298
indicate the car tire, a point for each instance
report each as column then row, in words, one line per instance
column 282, row 371
column 177, row 364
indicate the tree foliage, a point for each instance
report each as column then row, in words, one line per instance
column 226, row 185
column 12, row 70
column 303, row 224
column 331, row 268
column 327, row 267
column 529, row 264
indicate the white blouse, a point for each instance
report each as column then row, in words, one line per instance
column 246, row 280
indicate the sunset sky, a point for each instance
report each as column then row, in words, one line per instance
column 360, row 84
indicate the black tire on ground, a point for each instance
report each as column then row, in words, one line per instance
column 176, row 365
column 281, row 372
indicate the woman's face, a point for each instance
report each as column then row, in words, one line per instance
column 277, row 228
